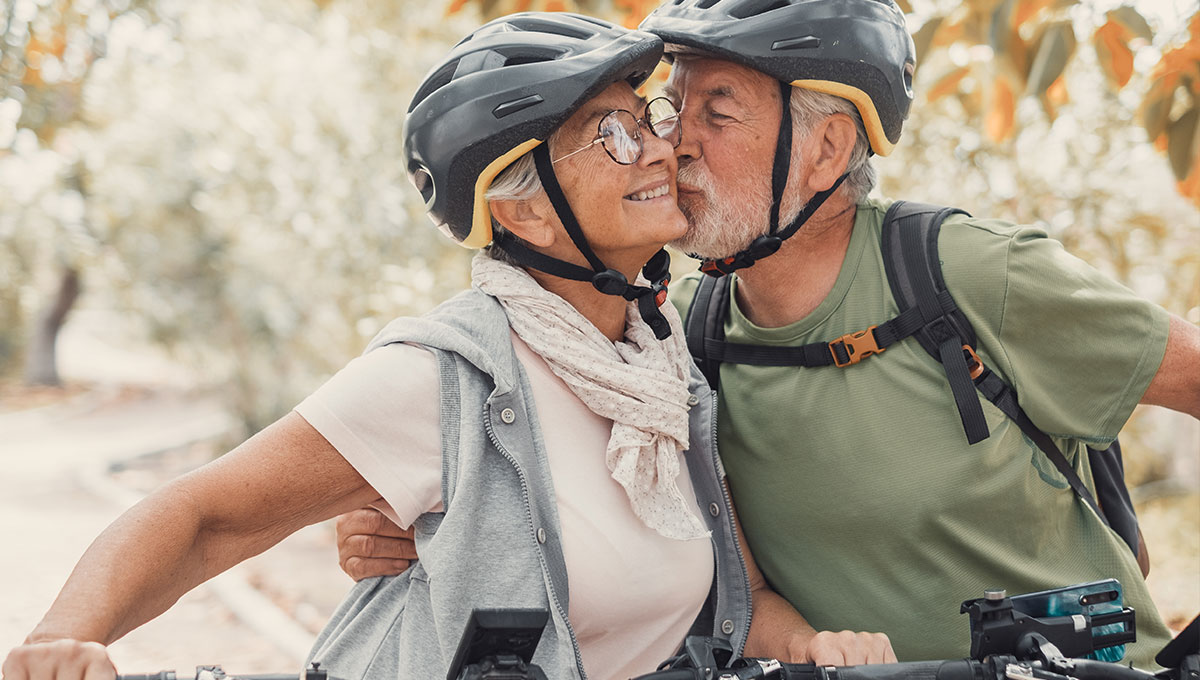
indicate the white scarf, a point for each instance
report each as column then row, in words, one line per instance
column 639, row 383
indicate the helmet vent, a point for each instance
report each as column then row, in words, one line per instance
column 553, row 27
column 807, row 42
column 706, row 4
column 423, row 181
column 434, row 82
column 754, row 8
column 509, row 108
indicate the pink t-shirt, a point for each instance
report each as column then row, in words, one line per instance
column 633, row 593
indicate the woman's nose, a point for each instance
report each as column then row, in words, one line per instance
column 655, row 149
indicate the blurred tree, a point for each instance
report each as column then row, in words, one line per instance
column 232, row 177
column 48, row 49
column 250, row 164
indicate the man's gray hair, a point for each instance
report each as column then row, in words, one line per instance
column 809, row 108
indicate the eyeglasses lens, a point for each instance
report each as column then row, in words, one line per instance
column 664, row 120
column 621, row 137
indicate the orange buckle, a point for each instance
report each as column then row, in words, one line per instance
column 973, row 362
column 858, row 345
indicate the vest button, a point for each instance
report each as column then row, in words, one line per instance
column 508, row 416
column 693, row 400
column 541, row 535
column 727, row 627
column 714, row 509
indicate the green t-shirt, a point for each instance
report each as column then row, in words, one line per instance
column 860, row 497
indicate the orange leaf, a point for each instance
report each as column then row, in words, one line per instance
column 1002, row 109
column 455, row 6
column 1190, row 187
column 1027, row 9
column 947, row 84
column 1054, row 98
column 1116, row 58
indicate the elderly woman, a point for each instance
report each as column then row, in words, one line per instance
column 545, row 431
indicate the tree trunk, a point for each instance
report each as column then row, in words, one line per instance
column 41, row 363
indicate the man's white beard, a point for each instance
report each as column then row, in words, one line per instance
column 720, row 224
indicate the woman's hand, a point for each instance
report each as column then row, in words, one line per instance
column 60, row 660
column 847, row 648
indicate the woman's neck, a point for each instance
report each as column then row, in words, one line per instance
column 606, row 312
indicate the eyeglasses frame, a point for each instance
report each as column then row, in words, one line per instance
column 639, row 124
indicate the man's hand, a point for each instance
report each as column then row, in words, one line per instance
column 847, row 648
column 370, row 544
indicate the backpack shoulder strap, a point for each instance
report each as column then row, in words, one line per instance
column 910, row 256
column 706, row 324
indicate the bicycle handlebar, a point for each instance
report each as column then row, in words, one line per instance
column 170, row 675
column 994, row 668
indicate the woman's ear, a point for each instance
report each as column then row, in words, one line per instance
column 834, row 140
column 529, row 220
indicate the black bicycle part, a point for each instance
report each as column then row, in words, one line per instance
column 499, row 644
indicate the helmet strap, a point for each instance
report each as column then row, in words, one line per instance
column 770, row 242
column 606, row 280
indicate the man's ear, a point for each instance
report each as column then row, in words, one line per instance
column 834, row 140
column 529, row 220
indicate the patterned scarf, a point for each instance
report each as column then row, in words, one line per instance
column 639, row 383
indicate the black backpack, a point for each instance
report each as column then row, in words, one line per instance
column 910, row 256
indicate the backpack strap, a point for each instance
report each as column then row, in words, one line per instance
column 910, row 249
column 705, row 332
column 910, row 258
column 705, row 327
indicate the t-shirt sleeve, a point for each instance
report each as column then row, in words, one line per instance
column 381, row 413
column 1080, row 348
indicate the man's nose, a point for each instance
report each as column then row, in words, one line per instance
column 689, row 148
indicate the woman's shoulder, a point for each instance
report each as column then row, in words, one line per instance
column 472, row 325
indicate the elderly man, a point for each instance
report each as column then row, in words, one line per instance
column 861, row 498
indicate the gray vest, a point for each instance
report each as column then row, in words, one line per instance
column 498, row 543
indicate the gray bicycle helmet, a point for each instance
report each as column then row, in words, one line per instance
column 501, row 92
column 859, row 50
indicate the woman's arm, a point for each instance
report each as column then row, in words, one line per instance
column 282, row 479
column 778, row 631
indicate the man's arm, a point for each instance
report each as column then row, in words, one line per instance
column 1176, row 385
column 369, row 545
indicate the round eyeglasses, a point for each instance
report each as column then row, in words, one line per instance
column 620, row 132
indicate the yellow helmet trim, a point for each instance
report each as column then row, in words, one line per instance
column 866, row 107
column 481, row 222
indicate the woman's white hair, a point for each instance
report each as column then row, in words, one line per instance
column 517, row 182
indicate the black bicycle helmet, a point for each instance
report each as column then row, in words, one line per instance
column 499, row 93
column 859, row 50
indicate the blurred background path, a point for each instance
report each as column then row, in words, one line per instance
column 71, row 467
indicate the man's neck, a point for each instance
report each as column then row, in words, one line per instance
column 787, row 286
